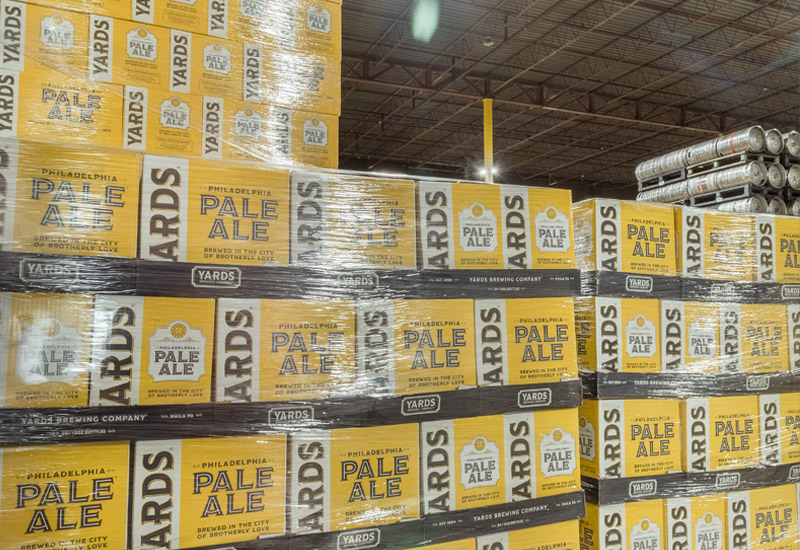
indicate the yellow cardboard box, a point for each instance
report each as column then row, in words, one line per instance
column 721, row 433
column 630, row 438
column 203, row 211
column 715, row 245
column 690, row 336
column 276, row 135
column 36, row 37
column 51, row 106
column 481, row 461
column 63, row 495
column 628, row 526
column 45, row 341
column 164, row 123
column 65, row 199
column 306, row 26
column 619, row 334
column 754, row 337
column 415, row 346
column 697, row 523
column 348, row 221
column 627, row 236
column 279, row 350
column 778, row 248
column 151, row 351
column 525, row 341
column 216, row 67
column 351, row 478
column 195, row 491
column 763, row 518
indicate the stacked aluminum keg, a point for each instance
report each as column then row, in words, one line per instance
column 780, row 169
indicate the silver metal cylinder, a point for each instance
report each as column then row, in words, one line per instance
column 702, row 152
column 794, row 208
column 776, row 175
column 749, row 140
column 674, row 192
column 774, row 141
column 754, row 204
column 777, row 206
column 791, row 142
column 793, row 176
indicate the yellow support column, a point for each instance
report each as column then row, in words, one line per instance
column 488, row 140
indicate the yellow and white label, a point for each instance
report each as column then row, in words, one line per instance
column 525, row 341
column 151, row 351
column 47, row 340
column 722, row 433
column 778, row 248
column 279, row 350
column 351, row 478
column 63, row 496
column 716, row 245
column 763, row 518
column 61, row 199
column 191, row 492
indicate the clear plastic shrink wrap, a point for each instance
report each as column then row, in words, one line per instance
column 209, row 338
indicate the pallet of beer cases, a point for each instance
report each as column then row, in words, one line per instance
column 687, row 437
column 262, row 363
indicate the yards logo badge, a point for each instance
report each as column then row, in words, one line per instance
column 290, row 416
column 216, row 277
column 421, row 404
column 310, row 496
column 638, row 283
column 135, row 124
column 142, row 11
column 520, row 456
column 492, row 342
column 517, row 252
column 9, row 93
column 730, row 327
column 438, row 474
column 49, row 271
column 608, row 312
column 309, row 217
column 612, row 527
column 679, row 524
column 375, row 354
column 727, row 481
column 238, row 350
column 9, row 169
column 789, row 292
column 642, row 488
column 218, row 19
column 793, row 311
column 534, row 398
column 359, row 540
column 253, row 72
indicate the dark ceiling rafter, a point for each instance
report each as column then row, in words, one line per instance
column 581, row 87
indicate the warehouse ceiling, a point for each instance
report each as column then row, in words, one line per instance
column 583, row 89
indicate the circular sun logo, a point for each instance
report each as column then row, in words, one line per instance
column 178, row 330
column 315, row 121
column 477, row 210
column 708, row 517
column 51, row 328
column 640, row 321
column 645, row 525
column 57, row 19
column 249, row 112
column 582, row 422
column 558, row 435
column 551, row 213
column 141, row 32
column 480, row 444
column 217, row 47
column 175, row 102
